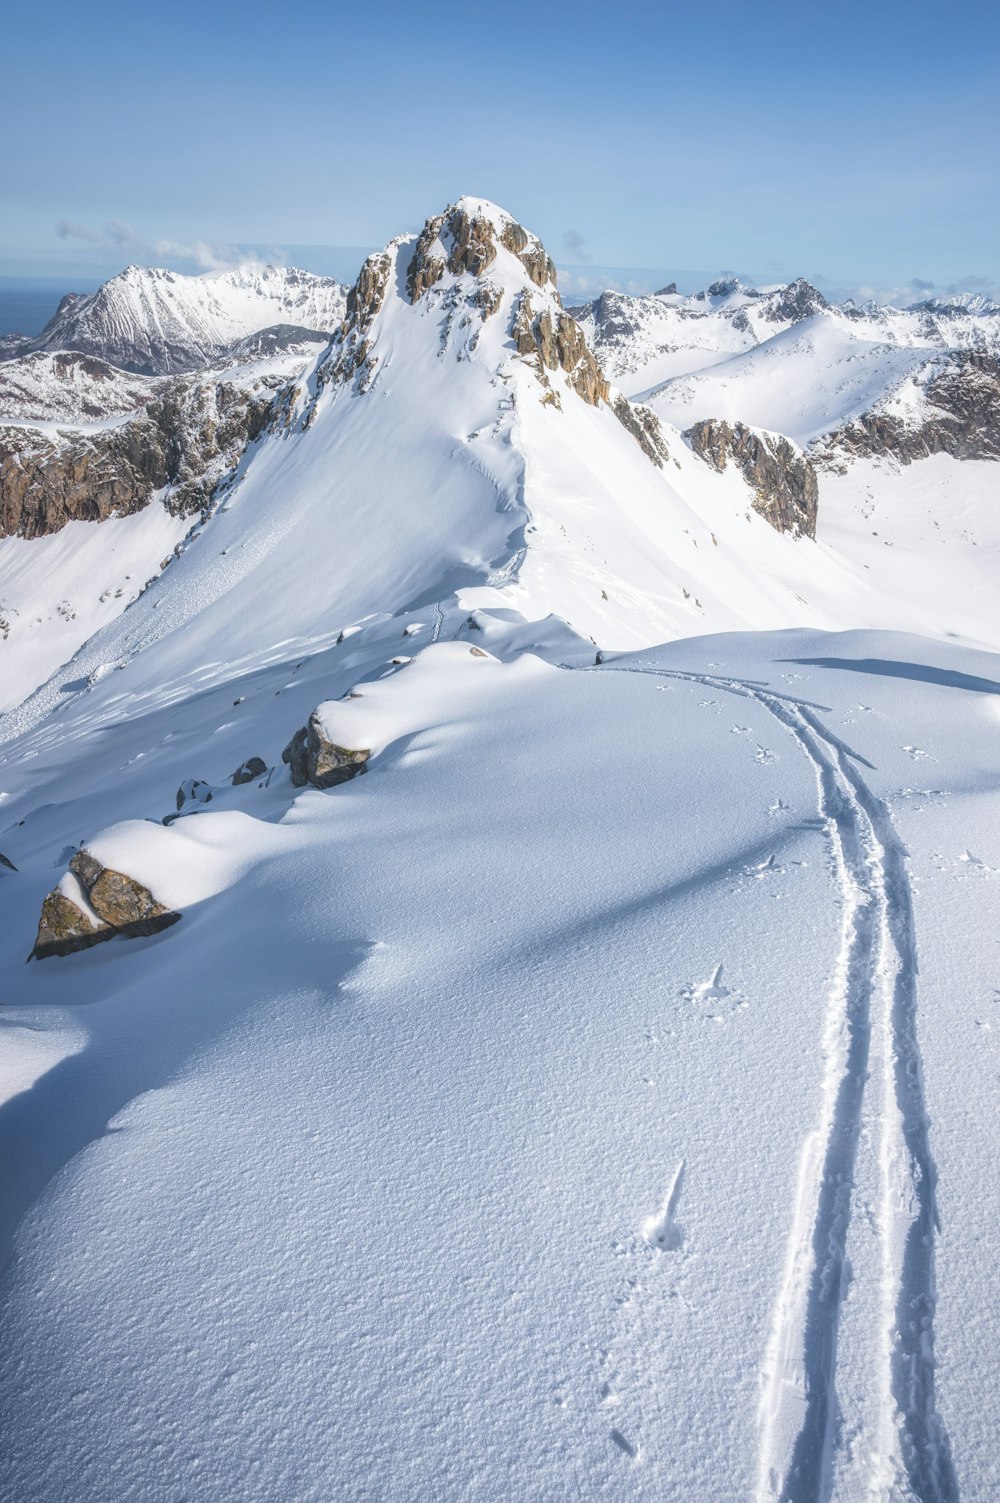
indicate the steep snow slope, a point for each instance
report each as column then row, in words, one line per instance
column 57, row 592
column 157, row 322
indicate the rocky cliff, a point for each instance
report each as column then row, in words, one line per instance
column 182, row 442
column 782, row 478
column 957, row 413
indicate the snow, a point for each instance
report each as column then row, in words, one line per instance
column 804, row 382
column 159, row 322
column 472, row 1134
column 57, row 591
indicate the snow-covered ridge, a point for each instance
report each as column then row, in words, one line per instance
column 157, row 322
column 643, row 342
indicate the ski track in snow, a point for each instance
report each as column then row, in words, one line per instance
column 874, row 986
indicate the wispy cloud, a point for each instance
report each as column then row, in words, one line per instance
column 207, row 257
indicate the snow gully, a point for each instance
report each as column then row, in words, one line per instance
column 873, row 988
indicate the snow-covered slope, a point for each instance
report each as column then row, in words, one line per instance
column 805, row 381
column 595, row 1098
column 643, row 342
column 69, row 388
column 156, row 322
column 492, row 1092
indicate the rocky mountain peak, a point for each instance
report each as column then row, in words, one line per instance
column 800, row 299
column 467, row 238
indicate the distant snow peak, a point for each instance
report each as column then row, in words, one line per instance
column 155, row 322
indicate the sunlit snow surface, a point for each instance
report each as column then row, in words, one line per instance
column 597, row 1098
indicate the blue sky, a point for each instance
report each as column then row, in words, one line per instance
column 856, row 145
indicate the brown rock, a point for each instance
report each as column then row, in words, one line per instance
column 64, row 928
column 122, row 902
column 783, row 479
column 248, row 771
column 312, row 758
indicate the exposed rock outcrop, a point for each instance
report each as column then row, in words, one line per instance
column 793, row 303
column 783, row 479
column 118, row 899
column 959, row 415
column 184, row 440
column 94, row 903
column 461, row 240
column 313, row 758
column 644, row 426
column 558, row 342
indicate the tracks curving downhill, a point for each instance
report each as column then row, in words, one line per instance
column 873, row 988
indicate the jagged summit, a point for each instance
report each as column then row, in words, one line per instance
column 478, row 268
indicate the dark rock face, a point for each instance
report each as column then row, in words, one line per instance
column 962, row 418
column 471, row 242
column 249, row 771
column 274, row 340
column 796, row 301
column 173, row 442
column 6, row 861
column 122, row 906
column 312, row 758
column 784, row 481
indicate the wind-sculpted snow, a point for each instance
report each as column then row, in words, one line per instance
column 548, row 1035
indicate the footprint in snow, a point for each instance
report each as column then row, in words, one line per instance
column 663, row 1231
column 762, row 755
column 917, row 755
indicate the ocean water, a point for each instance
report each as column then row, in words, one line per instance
column 27, row 304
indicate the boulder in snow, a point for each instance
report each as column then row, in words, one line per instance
column 194, row 791
column 68, row 922
column 313, row 758
column 253, row 767
column 118, row 899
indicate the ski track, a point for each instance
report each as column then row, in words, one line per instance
column 873, row 986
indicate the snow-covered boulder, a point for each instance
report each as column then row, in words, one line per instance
column 314, row 758
column 194, row 791
column 92, row 903
column 253, row 767
column 118, row 899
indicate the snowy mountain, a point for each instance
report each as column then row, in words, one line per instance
column 156, row 322
column 465, row 1036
